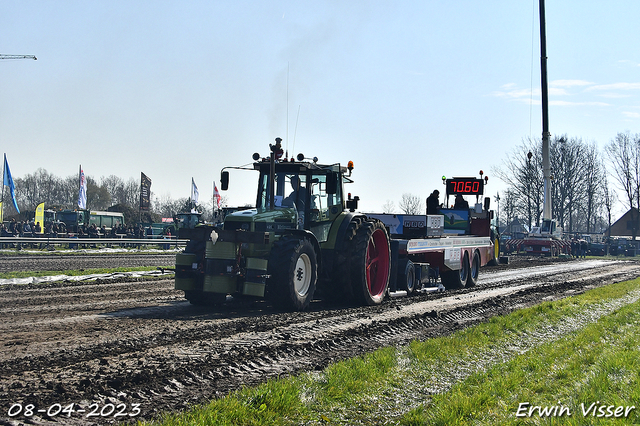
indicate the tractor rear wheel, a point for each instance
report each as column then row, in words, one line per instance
column 293, row 269
column 370, row 263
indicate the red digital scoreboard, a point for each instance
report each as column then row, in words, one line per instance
column 465, row 186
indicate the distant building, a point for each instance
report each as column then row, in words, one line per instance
column 515, row 227
column 623, row 227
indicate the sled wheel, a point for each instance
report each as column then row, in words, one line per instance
column 472, row 279
column 407, row 278
column 456, row 279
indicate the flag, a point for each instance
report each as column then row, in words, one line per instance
column 145, row 192
column 8, row 181
column 40, row 217
column 194, row 193
column 82, row 194
column 216, row 196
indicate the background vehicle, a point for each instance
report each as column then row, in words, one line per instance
column 73, row 219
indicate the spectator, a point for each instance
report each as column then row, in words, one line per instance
column 583, row 247
column 93, row 231
column 26, row 229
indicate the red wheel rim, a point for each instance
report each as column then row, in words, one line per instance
column 377, row 263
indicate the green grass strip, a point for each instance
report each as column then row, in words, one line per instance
column 579, row 350
column 559, row 382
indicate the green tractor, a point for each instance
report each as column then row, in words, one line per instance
column 302, row 239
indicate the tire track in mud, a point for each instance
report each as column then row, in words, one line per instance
column 160, row 352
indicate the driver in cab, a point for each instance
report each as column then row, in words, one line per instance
column 296, row 197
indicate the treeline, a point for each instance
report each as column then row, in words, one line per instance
column 110, row 193
column 582, row 193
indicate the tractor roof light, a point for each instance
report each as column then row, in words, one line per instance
column 256, row 156
column 350, row 166
column 300, row 157
column 444, row 180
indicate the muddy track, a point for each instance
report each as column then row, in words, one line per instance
column 140, row 343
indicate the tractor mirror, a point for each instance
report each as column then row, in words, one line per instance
column 332, row 183
column 487, row 202
column 224, row 180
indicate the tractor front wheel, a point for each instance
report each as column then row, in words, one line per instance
column 294, row 273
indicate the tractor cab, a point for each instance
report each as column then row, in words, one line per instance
column 301, row 195
column 312, row 195
column 187, row 220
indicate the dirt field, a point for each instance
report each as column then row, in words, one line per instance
column 122, row 351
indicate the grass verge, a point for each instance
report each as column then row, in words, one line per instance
column 565, row 357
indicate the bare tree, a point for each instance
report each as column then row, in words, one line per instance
column 411, row 204
column 98, row 197
column 388, row 207
column 522, row 171
column 593, row 178
column 571, row 165
column 609, row 198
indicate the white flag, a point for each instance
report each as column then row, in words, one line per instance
column 194, row 193
column 82, row 194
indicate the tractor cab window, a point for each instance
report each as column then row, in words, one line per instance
column 296, row 192
column 290, row 191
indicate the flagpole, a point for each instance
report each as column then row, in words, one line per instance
column 4, row 163
column 140, row 201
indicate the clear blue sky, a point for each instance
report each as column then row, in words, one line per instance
column 408, row 90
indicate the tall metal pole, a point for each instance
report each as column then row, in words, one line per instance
column 546, row 167
column 4, row 161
